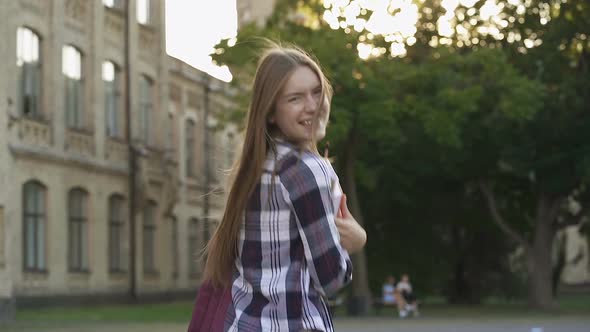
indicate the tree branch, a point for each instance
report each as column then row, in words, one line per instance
column 498, row 219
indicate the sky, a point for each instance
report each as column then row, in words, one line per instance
column 194, row 27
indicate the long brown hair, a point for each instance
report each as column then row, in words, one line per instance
column 274, row 68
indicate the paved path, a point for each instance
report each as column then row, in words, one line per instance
column 464, row 325
column 569, row 324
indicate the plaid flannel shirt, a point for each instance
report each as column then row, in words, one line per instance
column 289, row 253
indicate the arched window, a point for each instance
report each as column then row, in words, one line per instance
column 190, row 146
column 113, row 3
column 170, row 133
column 149, row 237
column 143, row 11
column 34, row 226
column 175, row 246
column 28, row 60
column 146, row 106
column 117, row 217
column 78, row 229
column 112, row 103
column 193, row 247
column 74, row 92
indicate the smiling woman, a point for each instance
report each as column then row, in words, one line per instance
column 282, row 247
column 296, row 115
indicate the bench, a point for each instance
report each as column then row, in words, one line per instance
column 379, row 305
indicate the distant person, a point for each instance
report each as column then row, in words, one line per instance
column 404, row 287
column 392, row 297
column 389, row 291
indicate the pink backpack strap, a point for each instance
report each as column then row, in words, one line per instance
column 210, row 309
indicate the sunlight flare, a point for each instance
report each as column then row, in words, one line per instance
column 396, row 21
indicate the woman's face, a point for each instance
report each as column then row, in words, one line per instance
column 298, row 105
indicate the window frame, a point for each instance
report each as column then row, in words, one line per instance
column 116, row 252
column 139, row 16
column 170, row 134
column 112, row 101
column 146, row 108
column 149, row 231
column 193, row 246
column 116, row 4
column 175, row 247
column 74, row 94
column 30, row 72
column 39, row 190
column 78, row 231
column 190, row 144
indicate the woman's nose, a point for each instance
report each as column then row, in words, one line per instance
column 311, row 104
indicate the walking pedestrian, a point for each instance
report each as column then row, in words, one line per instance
column 284, row 241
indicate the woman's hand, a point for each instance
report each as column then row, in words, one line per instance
column 352, row 236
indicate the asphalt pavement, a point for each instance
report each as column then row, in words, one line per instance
column 373, row 324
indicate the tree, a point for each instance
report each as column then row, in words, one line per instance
column 495, row 106
column 525, row 170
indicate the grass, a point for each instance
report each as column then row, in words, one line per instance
column 160, row 312
column 179, row 312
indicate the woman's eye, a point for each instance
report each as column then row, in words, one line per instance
column 294, row 99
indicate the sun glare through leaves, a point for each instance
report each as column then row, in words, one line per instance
column 464, row 23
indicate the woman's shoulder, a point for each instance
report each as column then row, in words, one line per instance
column 305, row 161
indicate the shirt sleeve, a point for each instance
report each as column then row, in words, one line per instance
column 307, row 188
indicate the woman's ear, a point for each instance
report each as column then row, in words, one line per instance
column 271, row 119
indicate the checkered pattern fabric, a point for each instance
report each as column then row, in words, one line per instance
column 289, row 253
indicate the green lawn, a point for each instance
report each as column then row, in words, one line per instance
column 573, row 305
column 161, row 312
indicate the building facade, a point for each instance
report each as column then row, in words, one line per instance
column 254, row 11
column 65, row 153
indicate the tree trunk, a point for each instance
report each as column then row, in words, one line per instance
column 559, row 266
column 539, row 275
column 459, row 290
column 359, row 302
column 539, row 257
column 538, row 252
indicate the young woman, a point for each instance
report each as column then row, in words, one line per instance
column 284, row 241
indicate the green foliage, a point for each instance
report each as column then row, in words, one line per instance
column 437, row 121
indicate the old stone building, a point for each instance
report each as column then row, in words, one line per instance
column 65, row 154
column 254, row 11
